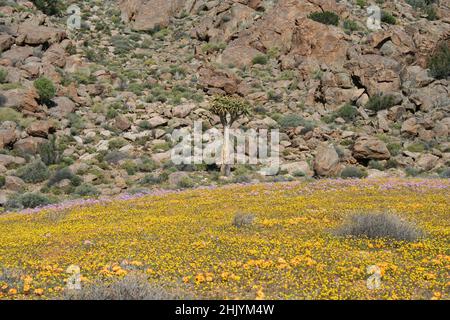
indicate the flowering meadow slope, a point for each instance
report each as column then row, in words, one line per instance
column 186, row 241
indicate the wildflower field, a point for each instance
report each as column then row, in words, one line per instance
column 186, row 242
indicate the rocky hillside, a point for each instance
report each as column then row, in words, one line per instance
column 91, row 111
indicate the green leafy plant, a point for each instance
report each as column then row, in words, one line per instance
column 45, row 88
column 50, row 7
column 439, row 62
column 34, row 172
column 260, row 59
column 387, row 17
column 325, row 17
column 3, row 75
column 380, row 101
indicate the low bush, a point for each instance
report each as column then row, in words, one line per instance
column 185, row 183
column 134, row 286
column 445, row 174
column 152, row 179
column 325, row 17
column 86, row 190
column 50, row 7
column 294, row 120
column 260, row 59
column 2, row 181
column 347, row 112
column 439, row 62
column 3, row 75
column 387, row 17
column 380, row 101
column 33, row 172
column 350, row 26
column 353, row 172
column 63, row 174
column 27, row 200
column 243, row 219
column 379, row 225
column 45, row 88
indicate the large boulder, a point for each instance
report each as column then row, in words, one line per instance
column 40, row 128
column 218, row 79
column 64, row 106
column 32, row 34
column 287, row 28
column 29, row 145
column 6, row 41
column 18, row 54
column 375, row 73
column 326, row 162
column 21, row 99
column 7, row 137
column 297, row 167
column 368, row 148
column 146, row 15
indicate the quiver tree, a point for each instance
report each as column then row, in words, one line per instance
column 228, row 109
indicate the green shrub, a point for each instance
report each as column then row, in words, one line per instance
column 379, row 226
column 121, row 44
column 294, row 120
column 115, row 157
column 361, row 3
column 260, row 59
column 130, row 167
column 86, row 190
column 45, row 89
column 412, row 172
column 49, row 153
column 243, row 220
column 76, row 123
column 62, row 174
column 213, row 47
column 147, row 165
column 380, row 101
column 33, row 172
column 350, row 25
column 27, row 200
column 325, row 17
column 2, row 181
column 3, row 75
column 374, row 164
column 154, row 179
column 445, row 174
column 416, row 147
column 347, row 112
column 388, row 18
column 353, row 172
column 439, row 62
column 394, row 148
column 117, row 143
column 50, row 7
column 185, row 183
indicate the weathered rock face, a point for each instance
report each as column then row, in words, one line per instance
column 122, row 123
column 286, row 27
column 224, row 21
column 326, row 162
column 29, row 145
column 6, row 41
column 21, row 99
column 368, row 148
column 375, row 73
column 218, row 79
column 32, row 34
column 40, row 128
column 144, row 15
